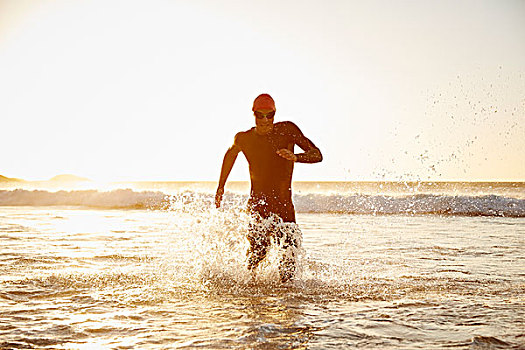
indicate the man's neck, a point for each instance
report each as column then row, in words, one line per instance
column 261, row 133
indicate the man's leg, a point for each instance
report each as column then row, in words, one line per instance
column 286, row 239
column 259, row 243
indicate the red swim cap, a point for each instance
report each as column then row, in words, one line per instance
column 263, row 101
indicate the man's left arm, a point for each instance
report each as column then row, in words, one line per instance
column 311, row 153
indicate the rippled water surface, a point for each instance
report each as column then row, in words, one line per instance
column 80, row 278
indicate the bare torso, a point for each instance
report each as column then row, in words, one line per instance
column 271, row 174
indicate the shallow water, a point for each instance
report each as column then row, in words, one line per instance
column 81, row 278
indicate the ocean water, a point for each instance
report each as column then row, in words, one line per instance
column 155, row 265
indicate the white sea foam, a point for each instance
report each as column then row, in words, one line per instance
column 417, row 204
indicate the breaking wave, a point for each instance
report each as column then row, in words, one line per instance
column 417, row 204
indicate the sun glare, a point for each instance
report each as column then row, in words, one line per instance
column 157, row 91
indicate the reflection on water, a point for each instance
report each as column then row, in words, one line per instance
column 150, row 279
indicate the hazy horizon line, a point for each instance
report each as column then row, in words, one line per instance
column 85, row 179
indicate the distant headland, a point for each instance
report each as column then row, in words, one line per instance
column 59, row 178
column 9, row 179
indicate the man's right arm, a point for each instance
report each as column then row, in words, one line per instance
column 227, row 165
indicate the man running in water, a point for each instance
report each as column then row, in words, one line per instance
column 269, row 150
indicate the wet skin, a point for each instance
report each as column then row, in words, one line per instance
column 268, row 148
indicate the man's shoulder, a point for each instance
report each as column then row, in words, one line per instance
column 286, row 127
column 242, row 135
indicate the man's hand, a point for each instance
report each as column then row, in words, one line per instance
column 218, row 197
column 287, row 154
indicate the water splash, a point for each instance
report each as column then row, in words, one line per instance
column 219, row 245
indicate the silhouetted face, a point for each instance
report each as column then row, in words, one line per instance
column 264, row 121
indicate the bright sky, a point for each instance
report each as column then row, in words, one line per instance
column 156, row 90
